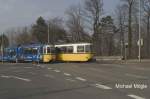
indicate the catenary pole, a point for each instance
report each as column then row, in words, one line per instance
column 139, row 31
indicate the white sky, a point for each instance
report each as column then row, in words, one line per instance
column 16, row 13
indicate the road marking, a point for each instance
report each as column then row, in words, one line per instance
column 32, row 73
column 27, row 67
column 71, row 80
column 17, row 71
column 42, row 66
column 13, row 67
column 24, row 79
column 66, row 74
column 15, row 77
column 3, row 76
column 49, row 68
column 136, row 76
column 102, row 86
column 34, row 64
column 50, row 76
column 37, row 65
column 119, row 66
column 136, row 97
column 81, row 79
column 140, row 68
column 57, row 71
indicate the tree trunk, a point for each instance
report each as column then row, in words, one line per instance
column 130, row 33
column 148, row 36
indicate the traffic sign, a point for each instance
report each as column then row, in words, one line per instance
column 140, row 42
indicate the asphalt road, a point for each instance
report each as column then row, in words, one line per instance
column 74, row 81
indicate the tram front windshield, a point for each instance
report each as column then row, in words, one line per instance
column 34, row 51
column 31, row 51
column 12, row 53
column 27, row 51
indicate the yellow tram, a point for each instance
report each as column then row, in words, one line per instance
column 78, row 52
column 48, row 53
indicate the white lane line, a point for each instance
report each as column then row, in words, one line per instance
column 27, row 67
column 136, row 76
column 15, row 77
column 32, row 73
column 57, row 71
column 71, row 80
column 3, row 76
column 42, row 66
column 13, row 67
column 17, row 71
column 66, row 74
column 102, row 86
column 23, row 79
column 38, row 65
column 136, row 97
column 49, row 68
column 81, row 79
column 34, row 64
column 50, row 76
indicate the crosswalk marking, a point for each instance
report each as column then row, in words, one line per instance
column 57, row 71
column 81, row 79
column 15, row 77
column 136, row 97
column 66, row 74
column 49, row 68
column 102, row 86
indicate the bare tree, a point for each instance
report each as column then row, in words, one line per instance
column 147, row 16
column 57, row 32
column 23, row 36
column 108, row 30
column 75, row 24
column 11, row 33
column 4, row 41
column 131, row 5
column 121, row 20
column 93, row 12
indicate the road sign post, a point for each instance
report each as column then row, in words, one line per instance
column 126, row 46
column 140, row 43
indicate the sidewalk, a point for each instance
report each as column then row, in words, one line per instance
column 118, row 59
column 137, row 61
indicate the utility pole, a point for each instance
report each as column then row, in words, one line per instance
column 139, row 31
column 48, row 33
column 2, row 48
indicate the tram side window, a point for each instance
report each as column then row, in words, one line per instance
column 70, row 49
column 88, row 48
column 48, row 50
column 58, row 50
column 44, row 51
column 80, row 49
column 63, row 49
column 53, row 50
